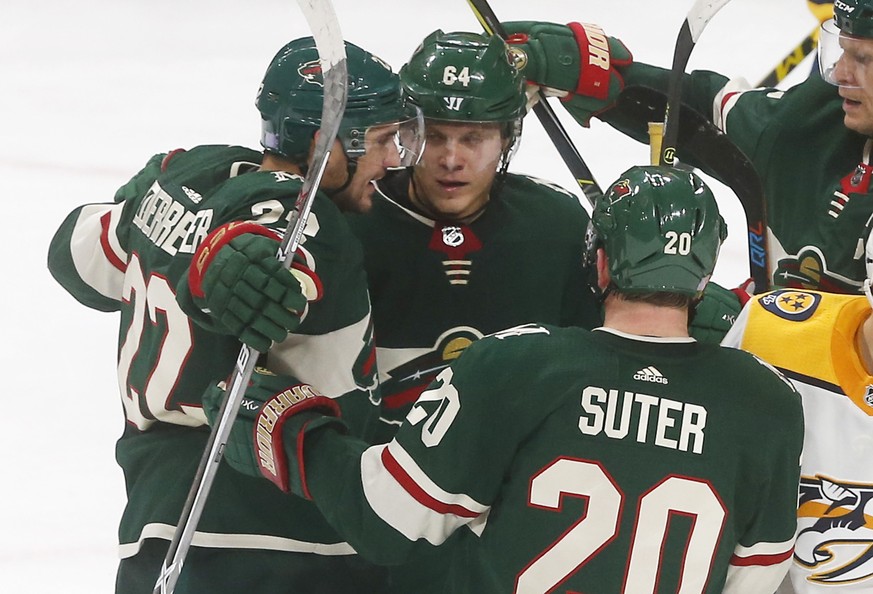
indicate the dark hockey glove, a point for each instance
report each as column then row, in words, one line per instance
column 715, row 314
column 268, row 435
column 576, row 62
column 236, row 278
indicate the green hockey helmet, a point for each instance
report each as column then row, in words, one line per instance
column 661, row 230
column 854, row 17
column 841, row 42
column 464, row 77
column 292, row 92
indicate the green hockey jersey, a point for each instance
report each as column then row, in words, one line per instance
column 132, row 256
column 815, row 171
column 581, row 461
column 436, row 286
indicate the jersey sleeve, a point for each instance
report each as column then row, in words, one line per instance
column 88, row 254
column 708, row 93
column 422, row 486
column 764, row 552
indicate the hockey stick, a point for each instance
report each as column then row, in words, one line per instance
column 546, row 115
column 791, row 60
column 698, row 17
column 325, row 29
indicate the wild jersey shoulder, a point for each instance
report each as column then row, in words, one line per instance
column 206, row 166
column 540, row 194
column 525, row 359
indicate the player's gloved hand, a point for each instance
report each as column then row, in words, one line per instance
column 268, row 435
column 714, row 314
column 577, row 62
column 236, row 277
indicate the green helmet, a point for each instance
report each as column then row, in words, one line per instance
column 854, row 17
column 661, row 231
column 291, row 95
column 464, row 77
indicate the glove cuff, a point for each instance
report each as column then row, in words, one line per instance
column 595, row 60
column 269, row 443
column 213, row 242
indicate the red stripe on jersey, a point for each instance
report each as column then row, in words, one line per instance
column 107, row 248
column 404, row 398
column 763, row 560
column 724, row 100
column 410, row 486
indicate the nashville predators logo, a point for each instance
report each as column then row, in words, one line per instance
column 311, row 72
column 835, row 531
column 791, row 305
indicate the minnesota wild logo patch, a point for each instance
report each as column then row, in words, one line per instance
column 791, row 304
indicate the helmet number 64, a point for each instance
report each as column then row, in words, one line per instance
column 678, row 243
column 452, row 76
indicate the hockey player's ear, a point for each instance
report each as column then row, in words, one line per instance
column 603, row 277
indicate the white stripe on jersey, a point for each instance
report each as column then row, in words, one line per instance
column 403, row 496
column 96, row 253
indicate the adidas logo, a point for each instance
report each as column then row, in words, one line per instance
column 650, row 374
column 193, row 195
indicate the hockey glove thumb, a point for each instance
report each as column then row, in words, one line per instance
column 237, row 280
column 579, row 60
column 269, row 433
column 714, row 314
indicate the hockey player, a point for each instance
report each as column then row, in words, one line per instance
column 187, row 255
column 456, row 247
column 564, row 459
column 810, row 144
column 834, row 374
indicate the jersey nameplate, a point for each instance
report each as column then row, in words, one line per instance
column 168, row 224
column 620, row 414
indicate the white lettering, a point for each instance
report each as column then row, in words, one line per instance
column 169, row 225
column 615, row 413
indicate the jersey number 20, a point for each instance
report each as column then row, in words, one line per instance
column 599, row 526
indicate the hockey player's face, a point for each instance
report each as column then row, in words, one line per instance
column 853, row 73
column 380, row 154
column 453, row 179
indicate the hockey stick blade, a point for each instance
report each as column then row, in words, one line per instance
column 791, row 60
column 323, row 23
column 695, row 22
column 546, row 115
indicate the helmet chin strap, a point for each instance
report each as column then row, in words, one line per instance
column 351, row 168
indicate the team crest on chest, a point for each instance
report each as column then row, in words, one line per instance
column 791, row 305
column 456, row 243
column 868, row 396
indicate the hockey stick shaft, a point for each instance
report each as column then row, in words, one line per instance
column 698, row 17
column 546, row 115
column 325, row 29
column 791, row 60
